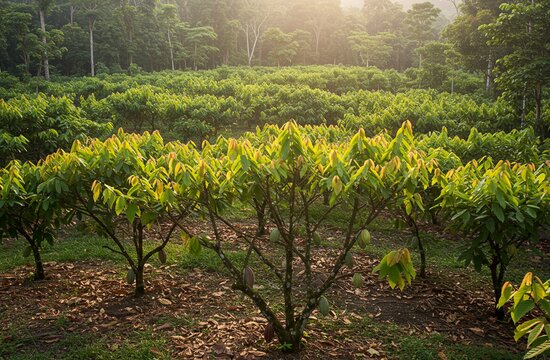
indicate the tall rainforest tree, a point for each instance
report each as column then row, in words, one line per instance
column 3, row 31
column 43, row 7
column 128, row 15
column 464, row 33
column 382, row 16
column 283, row 46
column 372, row 49
column 321, row 18
column 523, row 27
column 91, row 10
column 197, row 41
column 168, row 19
column 255, row 16
column 420, row 21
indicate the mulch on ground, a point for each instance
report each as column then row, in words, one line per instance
column 202, row 317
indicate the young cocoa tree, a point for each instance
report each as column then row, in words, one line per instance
column 126, row 186
column 292, row 174
column 24, row 212
column 426, row 205
column 499, row 207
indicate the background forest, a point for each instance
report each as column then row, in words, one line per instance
column 70, row 35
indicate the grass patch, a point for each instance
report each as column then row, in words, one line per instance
column 139, row 345
column 434, row 346
column 72, row 248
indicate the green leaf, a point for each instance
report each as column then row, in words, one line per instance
column 497, row 210
column 522, row 309
column 534, row 334
column 131, row 211
column 148, row 217
column 544, row 304
column 536, row 351
column 49, row 238
column 506, row 294
column 120, row 205
column 193, row 246
column 500, row 199
column 527, row 325
column 27, row 252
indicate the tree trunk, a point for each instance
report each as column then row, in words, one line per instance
column 295, row 342
column 523, row 106
column 489, row 75
column 317, row 42
column 248, row 45
column 39, row 267
column 140, row 284
column 171, row 51
column 131, row 52
column 45, row 60
column 262, row 218
column 497, row 275
column 538, row 110
column 138, row 242
column 326, row 198
column 72, row 14
column 195, row 58
column 421, row 249
column 91, row 24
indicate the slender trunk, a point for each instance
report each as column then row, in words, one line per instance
column 26, row 61
column 72, row 14
column 317, row 41
column 45, row 60
column 421, row 249
column 248, row 45
column 39, row 267
column 422, row 252
column 489, row 76
column 398, row 63
column 131, row 52
column 496, row 277
column 91, row 24
column 538, row 110
column 262, row 219
column 171, row 51
column 253, row 49
column 523, row 105
column 140, row 284
column 195, row 58
column 326, row 198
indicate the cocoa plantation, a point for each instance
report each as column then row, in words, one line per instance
column 199, row 179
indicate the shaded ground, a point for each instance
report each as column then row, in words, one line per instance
column 195, row 314
column 84, row 310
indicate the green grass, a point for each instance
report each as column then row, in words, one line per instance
column 137, row 345
column 75, row 247
column 424, row 347
column 442, row 254
column 71, row 249
column 429, row 348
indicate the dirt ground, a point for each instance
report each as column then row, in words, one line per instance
column 202, row 317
